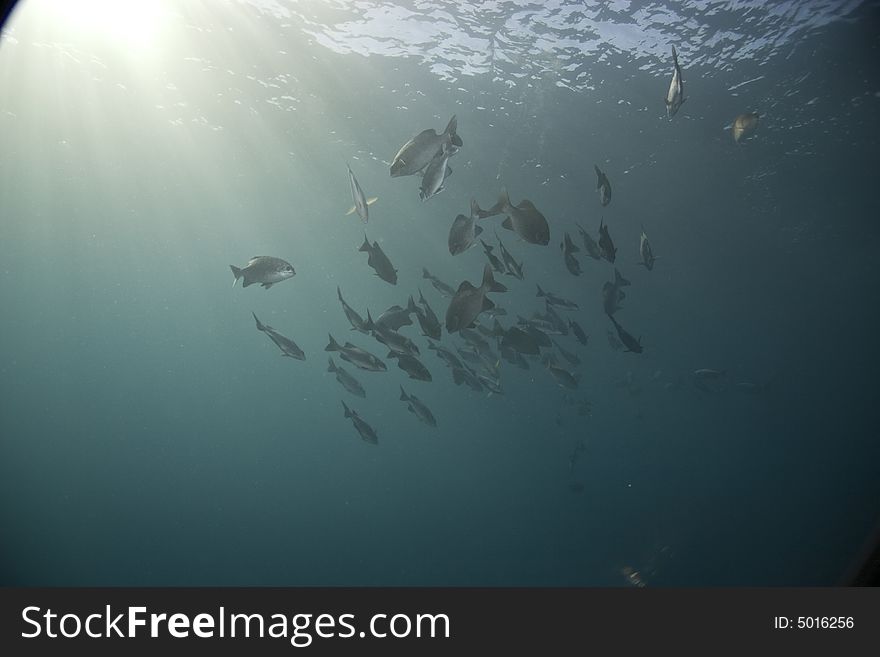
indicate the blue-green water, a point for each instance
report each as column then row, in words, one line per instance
column 149, row 435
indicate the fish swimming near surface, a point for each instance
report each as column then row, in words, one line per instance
column 603, row 186
column 590, row 245
column 361, row 202
column 568, row 250
column 357, row 322
column 418, row 152
column 347, row 380
column 367, row 433
column 628, row 341
column 578, row 332
column 675, row 93
column 523, row 218
column 439, row 285
column 379, row 261
column 496, row 263
column 464, row 232
column 612, row 295
column 646, row 252
column 606, row 246
column 418, row 408
column 555, row 300
column 436, row 173
column 288, row 347
column 470, row 301
column 428, row 321
column 356, row 356
column 265, row 270
column 744, row 125
column 411, row 365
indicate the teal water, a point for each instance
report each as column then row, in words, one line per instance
column 149, row 435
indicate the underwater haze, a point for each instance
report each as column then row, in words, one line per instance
column 151, row 435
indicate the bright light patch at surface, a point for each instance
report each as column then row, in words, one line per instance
column 135, row 24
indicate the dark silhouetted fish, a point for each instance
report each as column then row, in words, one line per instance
column 603, row 186
column 418, row 152
column 465, row 375
column 571, row 357
column 675, row 94
column 428, row 321
column 520, row 340
column 613, row 342
column 379, row 261
column 361, row 202
column 497, row 265
column 568, row 251
column 367, row 433
column 265, row 270
column 418, row 408
column 513, row 267
column 606, row 246
column 357, row 322
column 590, row 245
column 445, row 355
column 392, row 339
column 629, row 342
column 288, row 347
column 555, row 300
column 612, row 295
column 470, row 301
column 524, row 219
column 347, row 380
column 356, row 356
column 411, row 365
column 464, row 232
column 578, row 332
column 396, row 316
column 563, row 377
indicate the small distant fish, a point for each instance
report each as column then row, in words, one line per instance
column 497, row 265
column 367, row 433
column 629, row 342
column 578, row 332
column 436, row 173
column 418, row 408
column 571, row 357
column 347, row 380
column 590, row 245
column 357, row 322
column 606, row 246
column 563, row 377
column 513, row 267
column 411, row 365
column 523, row 218
column 356, row 356
column 555, row 300
column 288, row 347
column 439, row 285
column 646, row 252
column 379, row 261
column 603, row 186
column 264, row 270
column 464, row 232
column 612, row 295
column 707, row 373
column 428, row 321
column 361, row 202
column 675, row 94
column 418, row 152
column 470, row 301
column 568, row 250
column 744, row 125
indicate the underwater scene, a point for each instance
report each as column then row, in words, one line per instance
column 434, row 293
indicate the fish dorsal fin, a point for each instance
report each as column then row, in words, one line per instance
column 466, row 285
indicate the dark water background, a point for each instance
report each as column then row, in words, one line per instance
column 149, row 435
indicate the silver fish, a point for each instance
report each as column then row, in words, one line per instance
column 470, row 301
column 367, row 433
column 497, row 265
column 606, row 246
column 357, row 322
column 436, row 173
column 523, row 218
column 428, row 321
column 396, row 316
column 568, row 250
column 513, row 267
column 392, row 339
column 646, row 252
column 411, row 365
column 445, row 355
column 361, row 202
column 631, row 344
column 356, row 356
column 590, row 245
column 603, row 186
column 379, row 261
column 418, row 152
column 347, row 380
column 418, row 408
column 675, row 94
column 288, row 347
column 744, row 125
column 265, row 270
column 464, row 232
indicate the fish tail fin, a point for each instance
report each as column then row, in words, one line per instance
column 425, row 273
column 366, row 245
column 348, row 412
column 674, row 56
column 260, row 325
column 489, row 282
column 333, row 345
column 451, row 130
column 541, row 292
column 369, row 324
column 411, row 305
column 422, row 298
column 403, row 396
column 339, row 293
column 332, row 366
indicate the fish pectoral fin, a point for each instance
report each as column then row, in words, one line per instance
column 372, row 200
column 351, row 210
